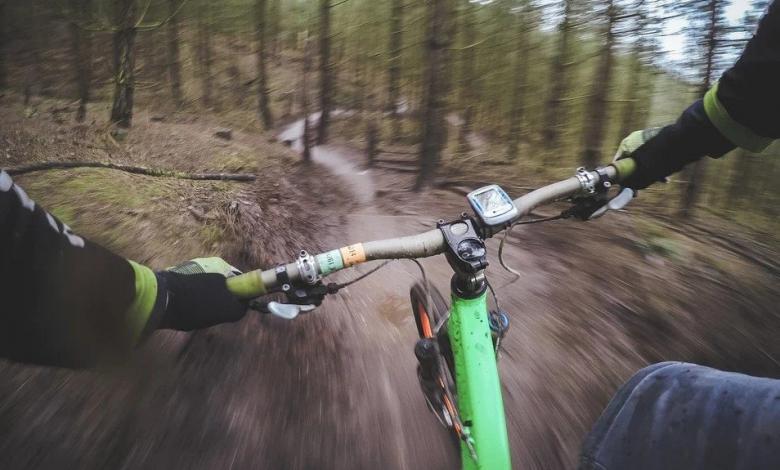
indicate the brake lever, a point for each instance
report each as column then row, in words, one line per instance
column 301, row 300
column 288, row 311
column 616, row 203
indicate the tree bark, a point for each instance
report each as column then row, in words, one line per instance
column 631, row 109
column 436, row 87
column 3, row 70
column 305, row 101
column 468, row 76
column 264, row 109
column 394, row 67
column 34, row 76
column 518, row 95
column 597, row 107
column 372, row 141
column 273, row 30
column 556, row 115
column 174, row 64
column 204, row 51
column 81, row 42
column 326, row 73
column 695, row 171
column 124, row 63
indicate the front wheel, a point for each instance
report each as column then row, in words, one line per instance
column 436, row 373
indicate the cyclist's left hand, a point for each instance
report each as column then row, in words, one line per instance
column 197, row 295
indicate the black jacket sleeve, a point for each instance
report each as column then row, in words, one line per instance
column 63, row 299
column 750, row 90
column 740, row 111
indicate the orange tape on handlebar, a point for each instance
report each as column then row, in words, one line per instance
column 353, row 254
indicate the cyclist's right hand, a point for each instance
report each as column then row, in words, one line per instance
column 629, row 146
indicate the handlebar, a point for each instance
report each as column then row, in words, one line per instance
column 310, row 269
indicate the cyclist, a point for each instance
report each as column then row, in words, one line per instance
column 65, row 301
column 684, row 416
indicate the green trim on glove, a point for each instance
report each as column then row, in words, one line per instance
column 145, row 297
column 737, row 133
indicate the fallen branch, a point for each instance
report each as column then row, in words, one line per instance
column 397, row 152
column 139, row 170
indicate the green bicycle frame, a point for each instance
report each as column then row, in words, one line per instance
column 480, row 403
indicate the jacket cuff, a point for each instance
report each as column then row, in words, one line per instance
column 738, row 134
column 149, row 304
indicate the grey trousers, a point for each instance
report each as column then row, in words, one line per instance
column 675, row 415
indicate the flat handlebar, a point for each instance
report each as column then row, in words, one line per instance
column 311, row 268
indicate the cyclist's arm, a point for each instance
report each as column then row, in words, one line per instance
column 740, row 111
column 64, row 300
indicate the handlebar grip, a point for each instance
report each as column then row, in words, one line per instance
column 624, row 167
column 248, row 285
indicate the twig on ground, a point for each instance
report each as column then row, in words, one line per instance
column 139, row 170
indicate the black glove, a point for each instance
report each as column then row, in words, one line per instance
column 196, row 301
column 665, row 152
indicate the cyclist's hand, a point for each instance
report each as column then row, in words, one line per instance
column 633, row 141
column 628, row 147
column 197, row 295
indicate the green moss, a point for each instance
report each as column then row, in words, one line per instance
column 240, row 163
column 64, row 213
column 211, row 234
column 136, row 216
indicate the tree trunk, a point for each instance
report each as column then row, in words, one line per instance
column 273, row 29
column 372, row 141
column 34, row 77
column 597, row 107
column 632, row 109
column 556, row 115
column 174, row 64
column 326, row 73
column 81, row 42
column 3, row 71
column 394, row 67
column 695, row 171
column 518, row 95
column 124, row 63
column 468, row 76
column 305, row 101
column 436, row 86
column 204, row 51
column 264, row 108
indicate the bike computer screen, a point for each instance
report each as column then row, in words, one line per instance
column 492, row 205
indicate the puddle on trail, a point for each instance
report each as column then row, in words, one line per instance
column 394, row 309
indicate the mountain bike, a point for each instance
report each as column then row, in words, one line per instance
column 458, row 346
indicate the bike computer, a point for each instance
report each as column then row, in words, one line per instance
column 492, row 205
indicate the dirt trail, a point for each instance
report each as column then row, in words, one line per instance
column 384, row 365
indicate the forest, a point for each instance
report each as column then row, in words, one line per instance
column 167, row 130
column 538, row 84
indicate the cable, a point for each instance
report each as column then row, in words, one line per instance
column 506, row 236
column 493, row 293
column 364, row 275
